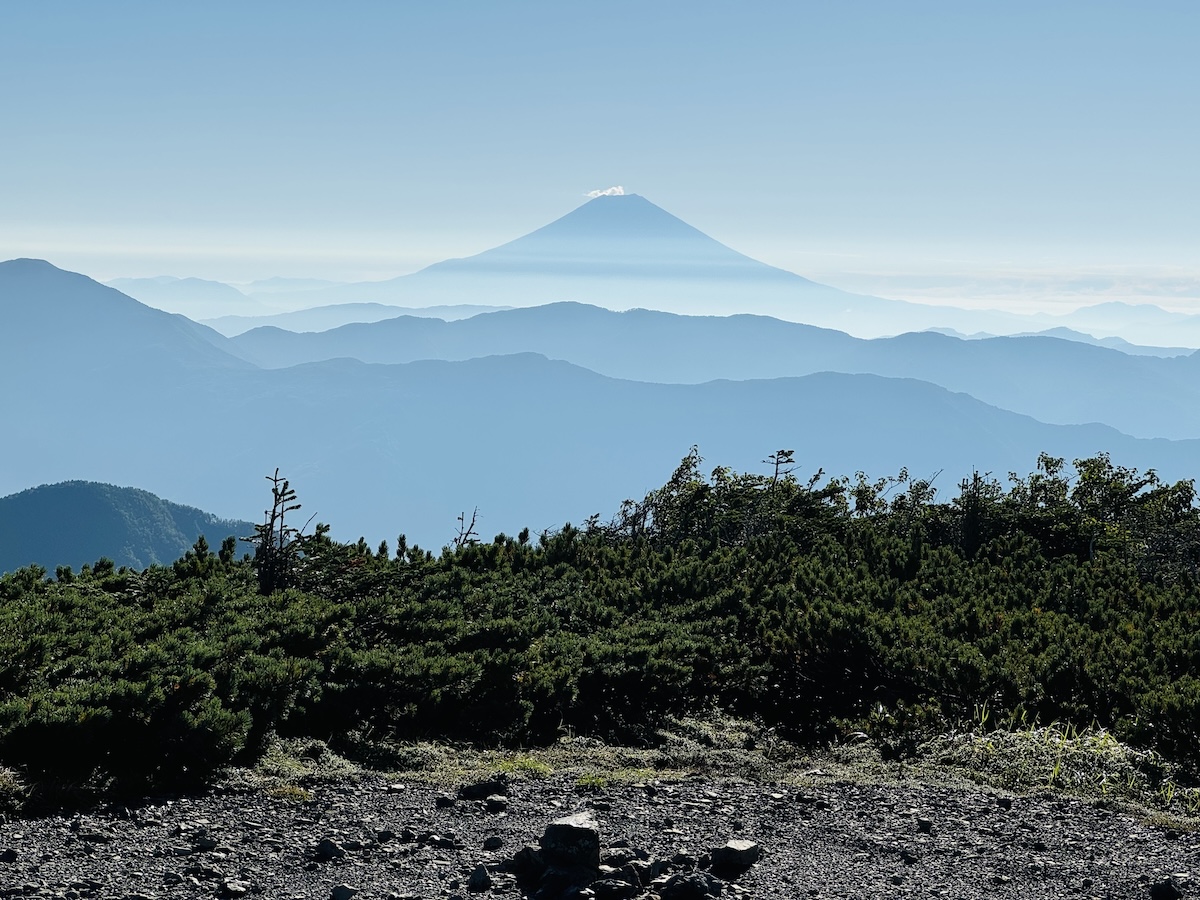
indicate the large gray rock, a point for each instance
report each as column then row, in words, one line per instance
column 572, row 842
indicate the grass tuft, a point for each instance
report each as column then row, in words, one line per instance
column 1088, row 762
column 525, row 766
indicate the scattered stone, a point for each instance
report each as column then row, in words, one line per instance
column 1094, row 851
column 480, row 880
column 633, row 875
column 1165, row 889
column 647, row 870
column 689, row 886
column 617, row 856
column 528, row 863
column 614, row 889
column 329, row 849
column 685, row 861
column 572, row 842
column 481, row 790
column 735, row 857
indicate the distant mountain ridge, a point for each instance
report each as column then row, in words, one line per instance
column 1070, row 334
column 78, row 522
column 1054, row 380
column 193, row 297
column 624, row 252
column 109, row 390
column 49, row 313
column 322, row 318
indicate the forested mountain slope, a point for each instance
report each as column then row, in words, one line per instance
column 78, row 522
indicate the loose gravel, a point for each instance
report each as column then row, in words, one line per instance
column 376, row 839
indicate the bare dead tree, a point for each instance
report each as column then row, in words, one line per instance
column 277, row 545
column 466, row 530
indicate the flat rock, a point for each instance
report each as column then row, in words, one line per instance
column 735, row 857
column 481, row 790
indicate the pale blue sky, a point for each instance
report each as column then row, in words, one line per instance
column 243, row 140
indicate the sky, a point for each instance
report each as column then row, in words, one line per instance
column 1019, row 153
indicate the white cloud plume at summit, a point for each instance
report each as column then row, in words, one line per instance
column 614, row 191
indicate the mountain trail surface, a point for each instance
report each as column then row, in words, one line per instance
column 699, row 836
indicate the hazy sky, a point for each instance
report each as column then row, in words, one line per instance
column 869, row 140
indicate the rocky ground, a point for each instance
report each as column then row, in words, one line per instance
column 375, row 837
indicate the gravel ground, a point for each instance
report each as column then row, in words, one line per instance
column 385, row 839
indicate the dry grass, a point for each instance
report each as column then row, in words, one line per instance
column 1088, row 763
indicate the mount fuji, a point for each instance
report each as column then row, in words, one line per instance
column 624, row 252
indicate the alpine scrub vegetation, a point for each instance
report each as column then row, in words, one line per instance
column 815, row 608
